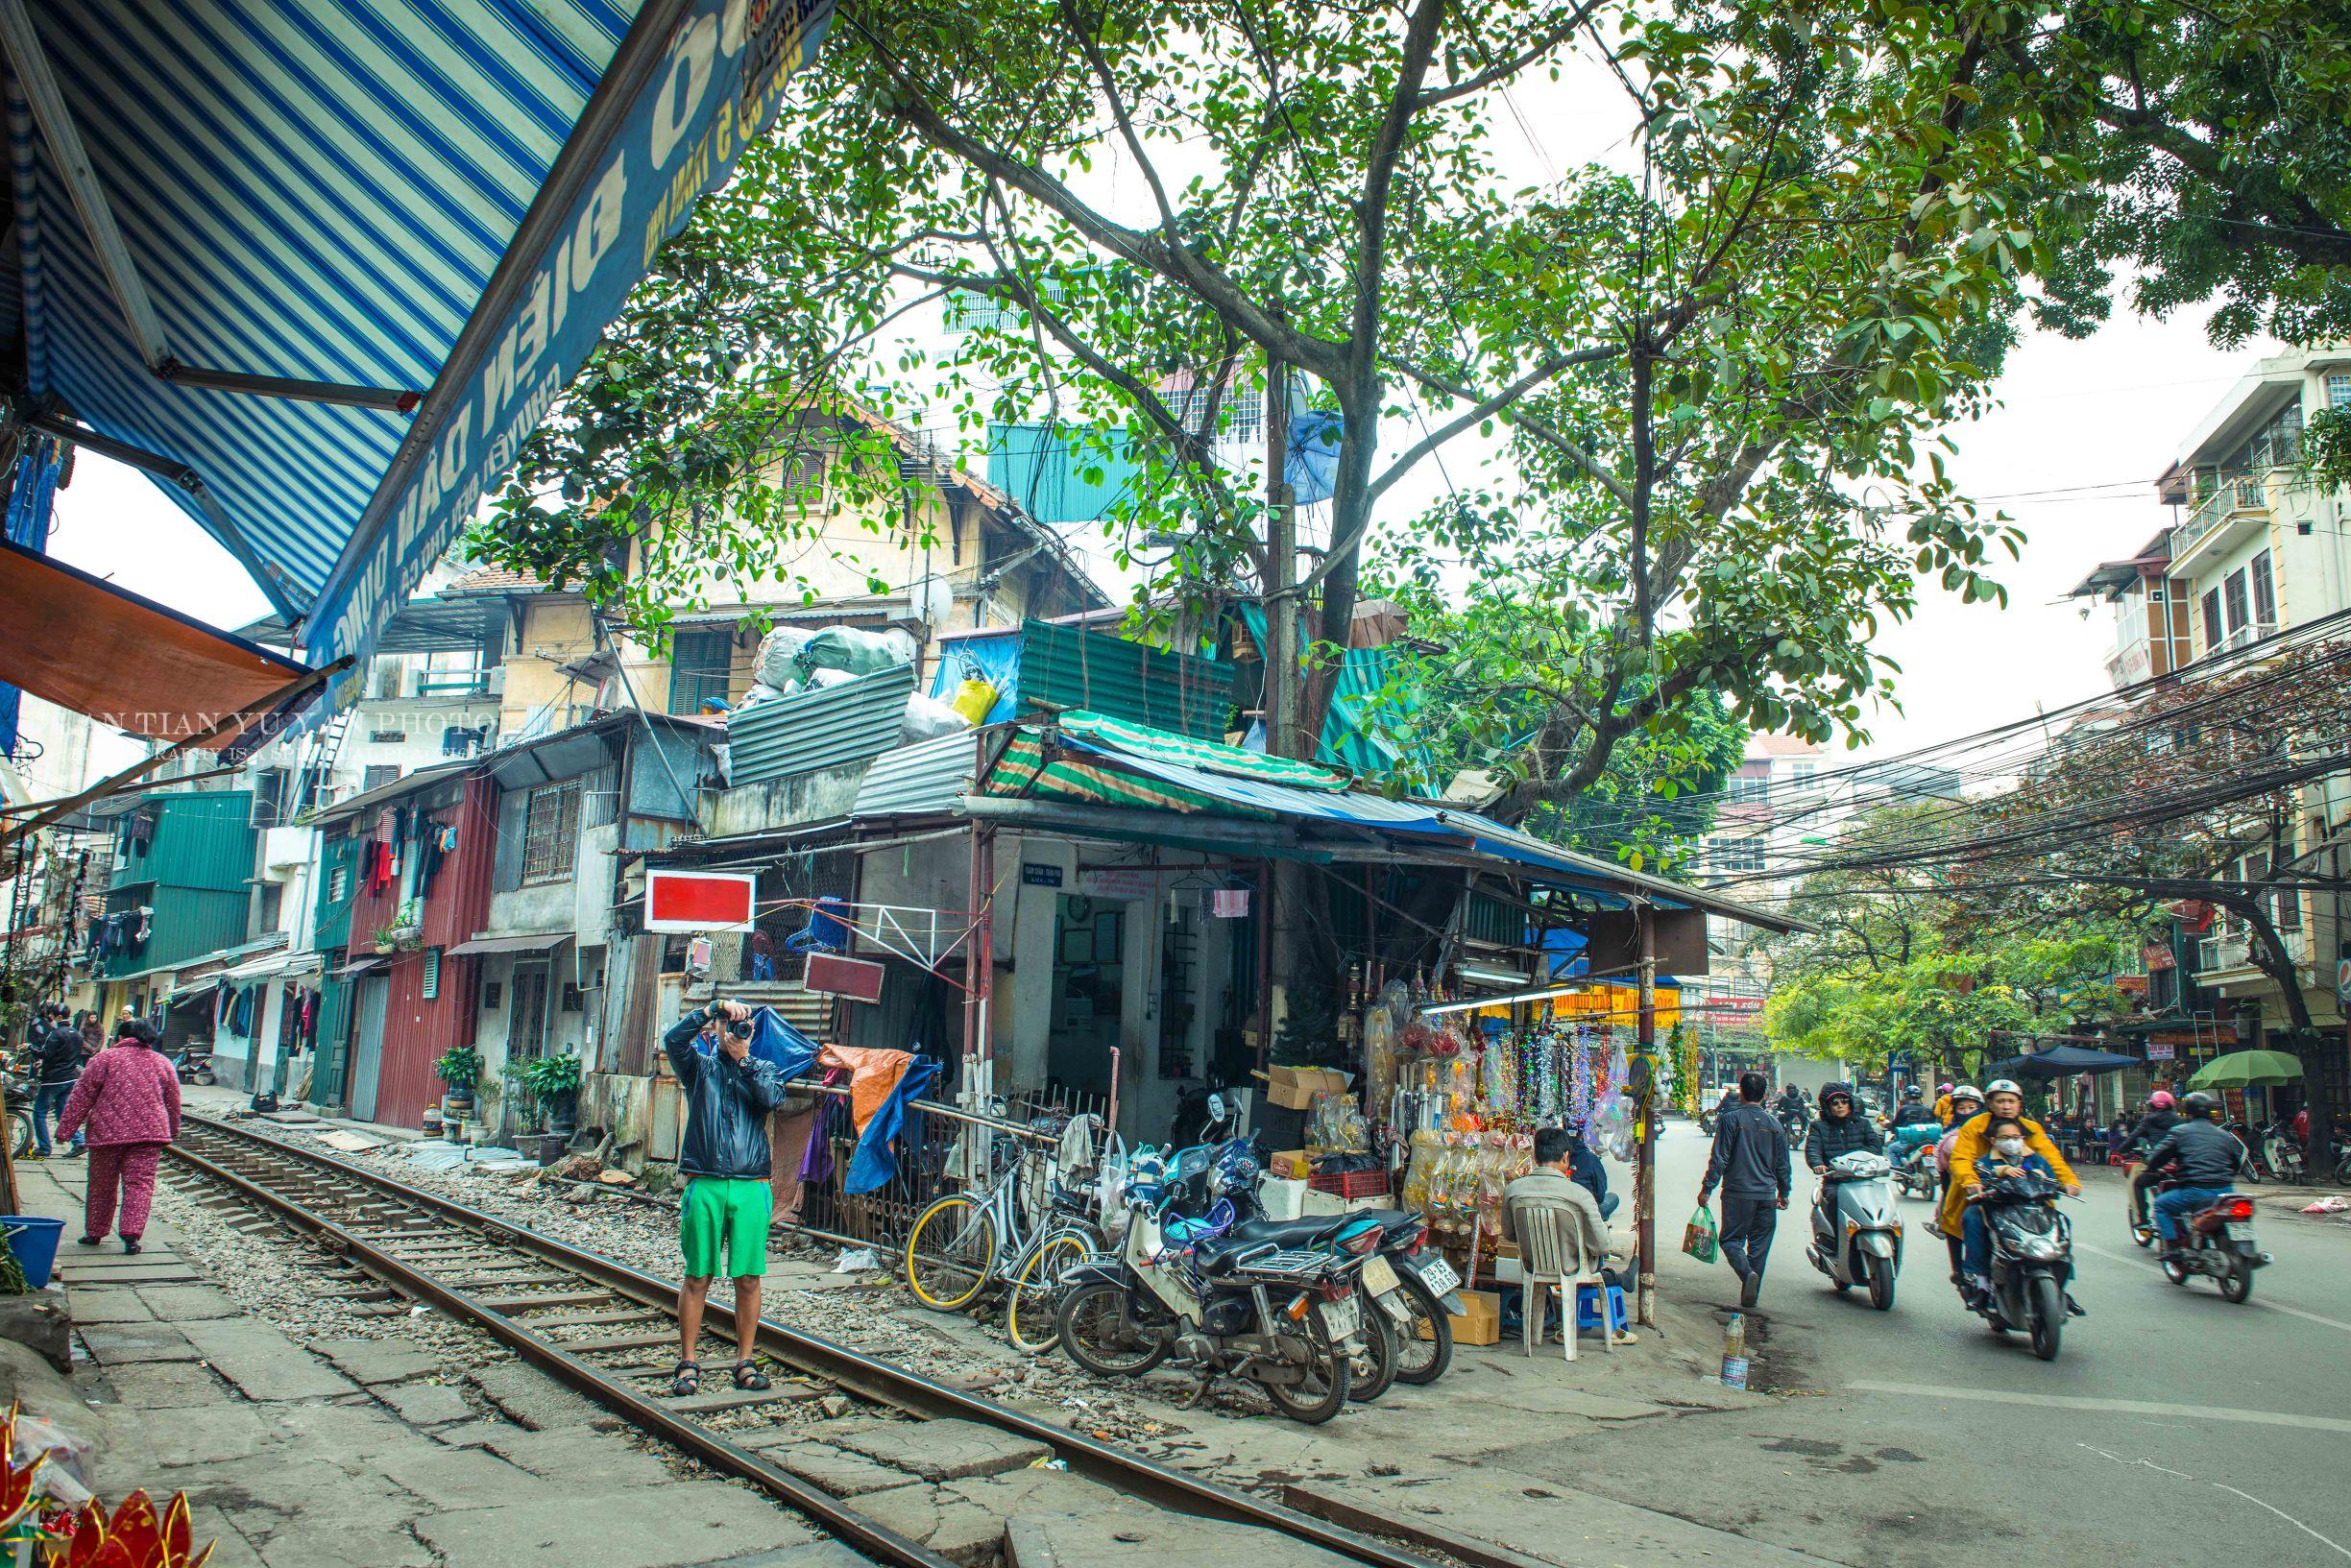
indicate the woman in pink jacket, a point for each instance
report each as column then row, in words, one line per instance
column 129, row 1097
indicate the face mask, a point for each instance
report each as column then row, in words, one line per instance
column 2011, row 1147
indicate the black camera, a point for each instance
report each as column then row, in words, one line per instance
column 738, row 1027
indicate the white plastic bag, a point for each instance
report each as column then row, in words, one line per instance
column 926, row 718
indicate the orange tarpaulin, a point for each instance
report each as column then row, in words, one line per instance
column 82, row 643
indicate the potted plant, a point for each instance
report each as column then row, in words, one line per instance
column 406, row 932
column 459, row 1070
column 554, row 1082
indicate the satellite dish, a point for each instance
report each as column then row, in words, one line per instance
column 933, row 600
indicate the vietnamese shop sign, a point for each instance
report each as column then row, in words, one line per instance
column 692, row 84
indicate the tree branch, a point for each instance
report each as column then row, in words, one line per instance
column 1550, row 38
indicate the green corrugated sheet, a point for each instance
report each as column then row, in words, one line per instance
column 1062, row 668
column 825, row 727
column 1351, row 736
column 1211, row 756
column 333, row 916
column 1024, row 773
column 195, row 874
column 1050, row 471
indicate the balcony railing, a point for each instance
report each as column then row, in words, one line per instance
column 2250, row 633
column 2232, row 496
column 2234, row 950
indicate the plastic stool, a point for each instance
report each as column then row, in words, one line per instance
column 1587, row 1309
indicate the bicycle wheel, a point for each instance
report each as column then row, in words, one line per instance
column 950, row 1253
column 1036, row 1292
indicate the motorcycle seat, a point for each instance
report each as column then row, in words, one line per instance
column 1222, row 1254
column 1312, row 1231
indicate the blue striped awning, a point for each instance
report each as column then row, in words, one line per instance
column 377, row 198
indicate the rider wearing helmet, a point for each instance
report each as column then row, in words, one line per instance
column 1965, row 1101
column 2152, row 1128
column 1914, row 1109
column 2004, row 1101
column 1943, row 1103
column 2202, row 1159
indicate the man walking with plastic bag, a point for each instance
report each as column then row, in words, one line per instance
column 1751, row 1165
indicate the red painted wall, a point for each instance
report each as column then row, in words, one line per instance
column 417, row 1030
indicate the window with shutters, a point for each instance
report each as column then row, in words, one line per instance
column 432, row 974
column 2212, row 634
column 699, row 664
column 550, row 830
column 380, row 774
column 2265, row 595
column 338, row 884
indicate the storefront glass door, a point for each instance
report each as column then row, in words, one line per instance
column 1089, row 993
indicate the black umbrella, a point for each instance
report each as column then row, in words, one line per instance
column 2059, row 1062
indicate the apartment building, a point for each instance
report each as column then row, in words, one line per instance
column 2251, row 549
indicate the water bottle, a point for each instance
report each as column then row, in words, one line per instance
column 1735, row 1352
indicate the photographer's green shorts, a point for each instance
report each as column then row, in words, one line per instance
column 725, row 1223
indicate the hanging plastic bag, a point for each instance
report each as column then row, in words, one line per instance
column 1698, row 1236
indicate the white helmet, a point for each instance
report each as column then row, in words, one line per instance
column 2003, row 1086
column 1968, row 1090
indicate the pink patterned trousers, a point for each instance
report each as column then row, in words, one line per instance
column 134, row 1166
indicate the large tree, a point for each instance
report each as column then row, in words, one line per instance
column 1711, row 379
column 2213, row 139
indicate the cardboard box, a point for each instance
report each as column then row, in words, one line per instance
column 1481, row 1323
column 1293, row 1088
column 1291, row 1164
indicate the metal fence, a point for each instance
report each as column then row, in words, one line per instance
column 945, row 1148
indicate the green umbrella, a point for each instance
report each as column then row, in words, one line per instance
column 2241, row 1069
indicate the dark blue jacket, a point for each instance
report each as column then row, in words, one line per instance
column 1750, row 1154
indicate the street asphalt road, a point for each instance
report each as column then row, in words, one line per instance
column 2172, row 1424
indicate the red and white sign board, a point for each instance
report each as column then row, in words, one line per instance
column 699, row 900
column 859, row 980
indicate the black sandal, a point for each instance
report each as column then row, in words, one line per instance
column 687, row 1381
column 748, row 1377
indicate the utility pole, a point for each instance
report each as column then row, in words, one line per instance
column 1645, row 1125
column 1282, row 685
column 1283, row 695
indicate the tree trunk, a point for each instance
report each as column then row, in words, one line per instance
column 2311, row 1048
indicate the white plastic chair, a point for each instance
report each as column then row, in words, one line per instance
column 1552, row 1258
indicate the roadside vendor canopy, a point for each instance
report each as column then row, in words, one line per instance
column 2244, row 1069
column 88, row 645
column 2059, row 1061
column 319, row 266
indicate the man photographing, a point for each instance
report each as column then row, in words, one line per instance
column 725, row 1160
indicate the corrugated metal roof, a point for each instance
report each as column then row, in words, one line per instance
column 927, row 777
column 1304, row 804
column 826, row 727
column 1068, row 667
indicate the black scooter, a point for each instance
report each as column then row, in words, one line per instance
column 2032, row 1258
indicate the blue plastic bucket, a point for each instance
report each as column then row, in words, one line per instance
column 34, row 1241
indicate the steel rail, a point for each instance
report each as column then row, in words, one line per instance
column 882, row 1382
column 875, row 1540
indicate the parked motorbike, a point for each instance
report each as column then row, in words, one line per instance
column 2342, row 1156
column 1202, row 1181
column 2219, row 1244
column 1856, row 1229
column 2032, row 1256
column 1287, row 1320
column 19, row 1087
column 2251, row 1168
column 2280, row 1152
column 1417, row 1292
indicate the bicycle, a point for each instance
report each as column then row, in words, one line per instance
column 965, row 1243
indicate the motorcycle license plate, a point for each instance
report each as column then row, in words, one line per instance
column 1439, row 1276
column 2239, row 1231
column 1379, row 1276
column 1342, row 1317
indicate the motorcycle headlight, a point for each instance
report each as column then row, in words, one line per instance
column 2041, row 1248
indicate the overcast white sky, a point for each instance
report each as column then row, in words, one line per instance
column 2095, row 420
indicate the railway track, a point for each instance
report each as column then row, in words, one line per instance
column 603, row 1330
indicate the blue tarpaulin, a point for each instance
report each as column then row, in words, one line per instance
column 993, row 657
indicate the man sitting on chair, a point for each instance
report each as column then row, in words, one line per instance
column 1550, row 1185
